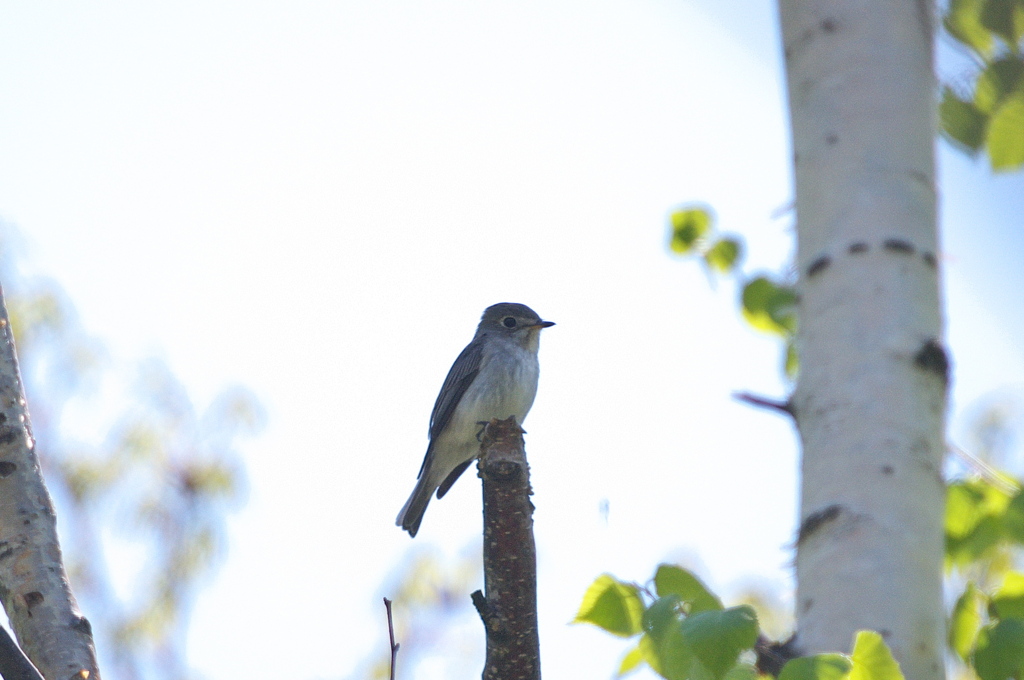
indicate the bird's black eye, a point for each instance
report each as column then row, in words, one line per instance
column 508, row 322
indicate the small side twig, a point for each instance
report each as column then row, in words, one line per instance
column 764, row 402
column 480, row 604
column 984, row 470
column 391, row 634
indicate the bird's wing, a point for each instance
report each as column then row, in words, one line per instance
column 460, row 376
column 452, row 477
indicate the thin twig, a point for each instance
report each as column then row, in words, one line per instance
column 764, row 402
column 480, row 604
column 984, row 470
column 391, row 634
column 783, row 210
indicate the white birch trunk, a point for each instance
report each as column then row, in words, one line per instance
column 871, row 397
column 33, row 583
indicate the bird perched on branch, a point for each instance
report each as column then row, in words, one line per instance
column 494, row 377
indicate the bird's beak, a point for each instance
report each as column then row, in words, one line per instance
column 543, row 324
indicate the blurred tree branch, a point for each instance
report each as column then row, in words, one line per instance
column 33, row 583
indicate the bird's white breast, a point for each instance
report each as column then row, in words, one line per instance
column 504, row 387
column 506, row 384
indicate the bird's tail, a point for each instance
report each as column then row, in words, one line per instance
column 412, row 513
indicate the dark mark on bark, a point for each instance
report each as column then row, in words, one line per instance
column 896, row 245
column 819, row 265
column 816, row 520
column 931, row 357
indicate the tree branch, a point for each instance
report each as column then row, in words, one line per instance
column 509, row 611
column 764, row 402
column 391, row 635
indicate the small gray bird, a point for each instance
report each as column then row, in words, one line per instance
column 494, row 377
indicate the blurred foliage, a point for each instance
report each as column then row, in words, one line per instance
column 768, row 303
column 142, row 480
column 986, row 626
column 985, row 110
column 693, row 233
column 683, row 632
column 774, row 616
column 870, row 659
column 984, row 542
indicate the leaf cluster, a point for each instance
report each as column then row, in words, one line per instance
column 682, row 629
column 991, row 115
column 984, row 528
column 693, row 233
column 984, row 519
column 684, row 632
column 768, row 303
column 871, row 659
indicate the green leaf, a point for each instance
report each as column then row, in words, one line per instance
column 661, row 615
column 872, row 659
column 673, row 580
column 718, row 637
column 968, row 502
column 1008, row 601
column 1005, row 18
column 742, row 671
column 965, row 621
column 770, row 307
column 670, row 656
column 630, row 662
column 962, row 122
column 791, row 364
column 817, row 667
column 963, row 22
column 665, row 650
column 974, row 519
column 976, row 545
column 1000, row 650
column 1006, row 135
column 724, row 255
column 999, row 81
column 689, row 225
column 1014, row 518
column 612, row 605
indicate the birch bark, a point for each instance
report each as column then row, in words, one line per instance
column 871, row 396
column 33, row 584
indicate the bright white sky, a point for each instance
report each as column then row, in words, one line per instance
column 318, row 200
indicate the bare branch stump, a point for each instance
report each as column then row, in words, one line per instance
column 509, row 611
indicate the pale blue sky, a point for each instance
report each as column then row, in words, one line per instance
column 318, row 200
